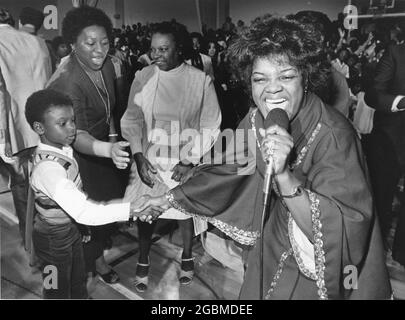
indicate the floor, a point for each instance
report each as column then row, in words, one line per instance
column 212, row 281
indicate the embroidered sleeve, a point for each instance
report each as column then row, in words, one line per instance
column 318, row 245
column 242, row 236
column 309, row 257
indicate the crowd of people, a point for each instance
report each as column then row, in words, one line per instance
column 101, row 108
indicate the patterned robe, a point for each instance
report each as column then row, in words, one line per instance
column 328, row 160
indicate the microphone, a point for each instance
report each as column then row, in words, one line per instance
column 279, row 117
column 275, row 116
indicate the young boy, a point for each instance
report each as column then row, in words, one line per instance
column 59, row 201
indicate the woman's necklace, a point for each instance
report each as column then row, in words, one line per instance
column 96, row 77
column 100, row 81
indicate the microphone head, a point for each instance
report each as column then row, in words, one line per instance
column 277, row 116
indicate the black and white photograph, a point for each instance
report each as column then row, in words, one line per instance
column 218, row 152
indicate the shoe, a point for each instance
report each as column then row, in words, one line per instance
column 141, row 283
column 186, row 277
column 110, row 277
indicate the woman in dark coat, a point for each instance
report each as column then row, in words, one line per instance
column 89, row 78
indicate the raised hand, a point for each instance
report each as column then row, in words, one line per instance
column 145, row 169
column 188, row 175
column 180, row 171
column 118, row 154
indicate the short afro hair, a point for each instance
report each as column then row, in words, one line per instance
column 319, row 20
column 41, row 101
column 180, row 35
column 79, row 18
column 32, row 16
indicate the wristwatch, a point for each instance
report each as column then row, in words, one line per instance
column 297, row 191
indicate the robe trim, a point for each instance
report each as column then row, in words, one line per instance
column 304, row 270
column 318, row 246
column 295, row 250
column 252, row 122
column 305, row 149
column 319, row 275
column 242, row 236
column 277, row 275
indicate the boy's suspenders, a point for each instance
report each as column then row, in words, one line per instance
column 65, row 162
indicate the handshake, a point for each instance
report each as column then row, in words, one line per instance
column 148, row 208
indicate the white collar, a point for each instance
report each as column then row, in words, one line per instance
column 65, row 151
column 174, row 71
column 29, row 28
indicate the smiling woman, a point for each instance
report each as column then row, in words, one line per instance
column 164, row 52
column 321, row 218
column 92, row 46
column 276, row 85
column 178, row 96
column 88, row 78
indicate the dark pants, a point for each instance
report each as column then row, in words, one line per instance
column 60, row 250
column 398, row 248
column 95, row 247
column 18, row 172
column 102, row 181
column 385, row 173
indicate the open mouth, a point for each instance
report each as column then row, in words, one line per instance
column 98, row 60
column 276, row 103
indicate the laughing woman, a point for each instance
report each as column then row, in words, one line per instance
column 321, row 238
column 88, row 78
column 167, row 99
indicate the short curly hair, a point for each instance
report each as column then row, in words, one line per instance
column 41, row 101
column 79, row 18
column 300, row 44
column 180, row 35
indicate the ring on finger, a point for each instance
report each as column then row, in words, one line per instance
column 271, row 148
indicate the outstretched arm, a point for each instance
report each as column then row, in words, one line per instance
column 87, row 144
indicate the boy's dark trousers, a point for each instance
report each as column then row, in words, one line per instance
column 59, row 247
